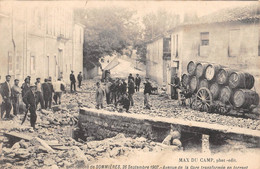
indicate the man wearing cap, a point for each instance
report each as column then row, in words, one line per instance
column 137, row 82
column 147, row 92
column 39, row 96
column 80, row 77
column 6, row 95
column 175, row 84
column 29, row 100
column 46, row 93
column 15, row 91
column 57, row 89
column 26, row 85
column 51, row 91
column 72, row 81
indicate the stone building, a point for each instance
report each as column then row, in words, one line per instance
column 230, row 37
column 39, row 40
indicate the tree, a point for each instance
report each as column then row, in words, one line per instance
column 107, row 30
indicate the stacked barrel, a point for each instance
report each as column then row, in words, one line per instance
column 226, row 85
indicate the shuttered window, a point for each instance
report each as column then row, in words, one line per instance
column 204, row 37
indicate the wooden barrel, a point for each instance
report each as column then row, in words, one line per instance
column 244, row 98
column 203, row 83
column 185, row 80
column 241, row 80
column 194, row 84
column 214, row 89
column 191, row 68
column 200, row 69
column 225, row 94
column 223, row 75
column 212, row 71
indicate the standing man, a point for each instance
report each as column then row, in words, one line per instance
column 175, row 84
column 137, row 82
column 25, row 85
column 130, row 77
column 108, row 91
column 80, row 77
column 6, row 95
column 15, row 92
column 30, row 101
column 39, row 96
column 99, row 96
column 51, row 91
column 46, row 93
column 58, row 92
column 131, row 91
column 72, row 81
column 147, row 92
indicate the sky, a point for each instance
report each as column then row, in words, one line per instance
column 144, row 7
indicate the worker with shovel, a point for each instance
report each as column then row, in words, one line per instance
column 30, row 102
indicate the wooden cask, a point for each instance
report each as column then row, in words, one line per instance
column 194, row 84
column 244, row 98
column 212, row 71
column 225, row 94
column 215, row 90
column 185, row 80
column 241, row 80
column 191, row 68
column 223, row 76
column 200, row 69
column 203, row 83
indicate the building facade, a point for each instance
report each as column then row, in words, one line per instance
column 39, row 41
column 228, row 37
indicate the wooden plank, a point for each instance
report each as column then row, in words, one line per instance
column 23, row 136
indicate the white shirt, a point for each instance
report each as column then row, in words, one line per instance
column 57, row 86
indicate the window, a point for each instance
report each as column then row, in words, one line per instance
column 10, row 62
column 204, row 38
column 33, row 63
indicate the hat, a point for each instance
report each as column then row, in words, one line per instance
column 7, row 76
column 16, row 80
column 38, row 78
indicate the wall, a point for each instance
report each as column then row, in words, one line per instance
column 154, row 63
column 47, row 32
column 246, row 59
column 102, row 124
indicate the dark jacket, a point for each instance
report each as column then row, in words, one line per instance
column 72, row 78
column 137, row 81
column 176, row 81
column 25, row 87
column 51, row 88
column 46, row 90
column 29, row 99
column 131, row 87
column 5, row 92
column 148, row 88
column 130, row 77
column 80, row 77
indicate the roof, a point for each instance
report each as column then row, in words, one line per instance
column 246, row 13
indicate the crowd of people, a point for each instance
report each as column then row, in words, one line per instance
column 31, row 94
column 119, row 92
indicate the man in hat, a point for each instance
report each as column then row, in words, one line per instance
column 51, row 92
column 15, row 96
column 29, row 100
column 72, row 81
column 46, row 93
column 130, row 77
column 26, row 85
column 175, row 84
column 137, row 82
column 147, row 91
column 6, row 95
column 39, row 96
column 80, row 77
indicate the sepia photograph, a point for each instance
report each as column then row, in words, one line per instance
column 110, row 84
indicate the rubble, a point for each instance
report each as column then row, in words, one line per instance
column 52, row 145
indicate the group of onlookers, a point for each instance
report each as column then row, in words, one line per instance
column 73, row 81
column 117, row 91
column 31, row 95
